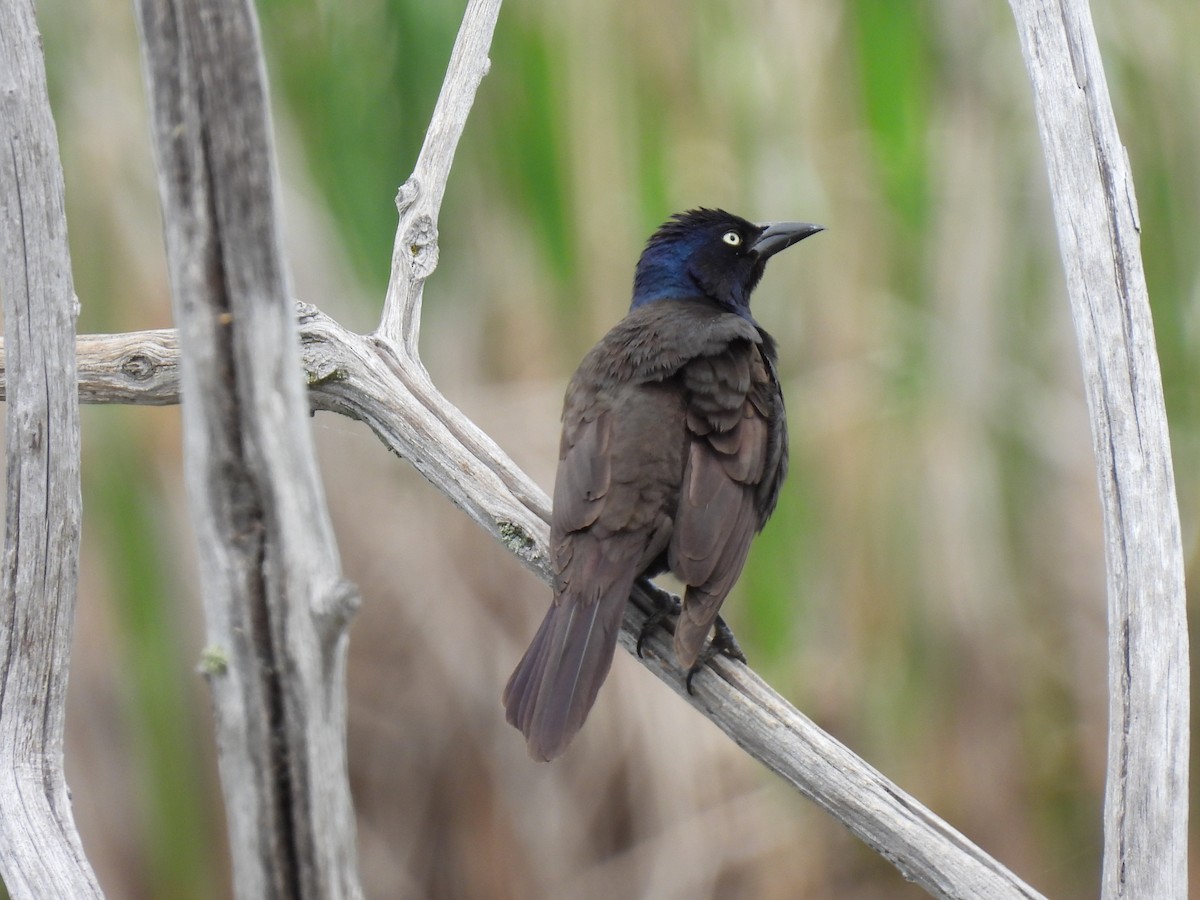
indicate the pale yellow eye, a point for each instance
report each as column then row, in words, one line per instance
column 732, row 238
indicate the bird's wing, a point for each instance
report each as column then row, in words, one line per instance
column 584, row 470
column 733, row 467
column 619, row 459
column 767, row 397
column 555, row 684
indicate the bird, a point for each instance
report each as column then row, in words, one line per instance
column 673, row 451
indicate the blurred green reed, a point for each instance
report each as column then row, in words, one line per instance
column 360, row 82
column 937, row 540
column 894, row 60
column 157, row 668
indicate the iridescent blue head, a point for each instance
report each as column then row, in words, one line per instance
column 711, row 253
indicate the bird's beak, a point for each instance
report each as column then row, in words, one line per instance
column 781, row 235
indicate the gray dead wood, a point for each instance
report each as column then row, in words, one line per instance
column 40, row 851
column 277, row 607
column 1145, row 804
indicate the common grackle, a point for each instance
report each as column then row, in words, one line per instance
column 674, row 447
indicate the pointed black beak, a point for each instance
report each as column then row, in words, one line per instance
column 781, row 235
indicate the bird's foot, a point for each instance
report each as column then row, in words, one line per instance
column 723, row 643
column 666, row 606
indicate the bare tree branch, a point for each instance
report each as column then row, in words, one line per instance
column 351, row 374
column 1145, row 810
column 277, row 607
column 415, row 254
column 40, row 851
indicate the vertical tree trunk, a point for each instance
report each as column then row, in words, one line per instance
column 1145, row 809
column 40, row 851
column 276, row 605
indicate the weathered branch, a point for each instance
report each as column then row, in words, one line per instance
column 1145, row 833
column 276, row 605
column 354, row 375
column 415, row 254
column 40, row 851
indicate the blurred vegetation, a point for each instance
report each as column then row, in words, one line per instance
column 931, row 589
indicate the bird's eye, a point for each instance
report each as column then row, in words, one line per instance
column 732, row 238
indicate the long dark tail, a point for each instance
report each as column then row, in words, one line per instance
column 555, row 684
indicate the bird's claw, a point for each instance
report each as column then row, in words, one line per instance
column 667, row 605
column 724, row 643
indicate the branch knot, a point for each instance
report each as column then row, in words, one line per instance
column 407, row 195
column 138, row 366
column 421, row 242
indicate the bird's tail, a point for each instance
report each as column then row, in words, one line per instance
column 554, row 686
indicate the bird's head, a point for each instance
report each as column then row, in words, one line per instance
column 711, row 253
